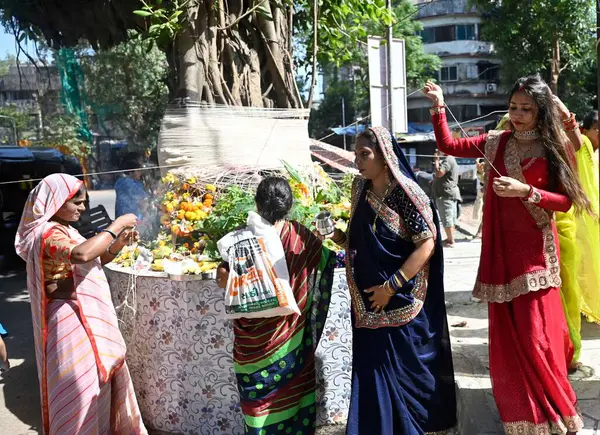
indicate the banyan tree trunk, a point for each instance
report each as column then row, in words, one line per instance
column 235, row 52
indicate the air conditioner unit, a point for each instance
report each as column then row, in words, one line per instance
column 490, row 88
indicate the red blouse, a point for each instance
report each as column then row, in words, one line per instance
column 519, row 250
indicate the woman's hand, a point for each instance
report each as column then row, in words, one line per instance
column 434, row 93
column 126, row 221
column 565, row 114
column 379, row 298
column 127, row 237
column 222, row 275
column 508, row 187
column 336, row 235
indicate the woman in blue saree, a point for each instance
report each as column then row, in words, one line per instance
column 402, row 381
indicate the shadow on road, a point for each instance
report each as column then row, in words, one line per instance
column 20, row 384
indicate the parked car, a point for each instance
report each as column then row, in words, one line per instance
column 21, row 167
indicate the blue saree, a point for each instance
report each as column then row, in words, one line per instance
column 402, row 381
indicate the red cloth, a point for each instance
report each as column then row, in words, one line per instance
column 519, row 274
column 516, row 245
column 529, row 352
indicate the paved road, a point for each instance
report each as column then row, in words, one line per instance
column 19, row 397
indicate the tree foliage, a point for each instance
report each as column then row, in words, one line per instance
column 235, row 52
column 125, row 87
column 553, row 37
column 62, row 133
column 419, row 66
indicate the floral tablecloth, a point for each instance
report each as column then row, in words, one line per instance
column 180, row 347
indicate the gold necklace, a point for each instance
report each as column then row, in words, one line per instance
column 523, row 154
column 382, row 198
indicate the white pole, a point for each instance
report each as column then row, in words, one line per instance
column 344, row 120
column 390, row 63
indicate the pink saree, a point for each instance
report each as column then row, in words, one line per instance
column 84, row 381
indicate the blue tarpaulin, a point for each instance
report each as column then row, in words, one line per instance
column 351, row 130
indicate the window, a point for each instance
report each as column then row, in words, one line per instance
column 464, row 112
column 489, row 72
column 449, row 74
column 419, row 115
column 465, row 32
column 472, row 71
column 428, row 35
column 445, row 33
column 460, row 32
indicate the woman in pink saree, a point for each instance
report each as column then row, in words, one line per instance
column 84, row 381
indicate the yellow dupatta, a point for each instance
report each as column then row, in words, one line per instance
column 588, row 233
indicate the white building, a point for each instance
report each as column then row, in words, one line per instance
column 470, row 72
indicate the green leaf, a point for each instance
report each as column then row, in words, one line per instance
column 142, row 13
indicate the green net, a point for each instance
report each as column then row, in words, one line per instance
column 73, row 90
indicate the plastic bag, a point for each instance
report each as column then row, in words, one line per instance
column 258, row 283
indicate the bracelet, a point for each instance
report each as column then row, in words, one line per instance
column 114, row 236
column 528, row 194
column 341, row 240
column 403, row 276
column 437, row 110
column 534, row 196
column 110, row 252
column 571, row 118
column 571, row 127
column 388, row 289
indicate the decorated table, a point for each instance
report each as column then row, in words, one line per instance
column 180, row 352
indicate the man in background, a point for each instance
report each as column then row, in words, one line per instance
column 446, row 194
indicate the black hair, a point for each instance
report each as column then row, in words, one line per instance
column 371, row 140
column 274, row 199
column 561, row 162
column 132, row 160
column 590, row 120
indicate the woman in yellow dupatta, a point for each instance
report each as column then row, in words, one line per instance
column 588, row 227
column 579, row 240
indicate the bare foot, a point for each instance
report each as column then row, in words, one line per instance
column 573, row 367
column 4, row 363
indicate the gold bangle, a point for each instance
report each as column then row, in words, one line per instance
column 403, row 276
column 388, row 289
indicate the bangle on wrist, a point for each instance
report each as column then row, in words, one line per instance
column 110, row 252
column 387, row 288
column 341, row 239
column 435, row 110
column 403, row 276
column 106, row 230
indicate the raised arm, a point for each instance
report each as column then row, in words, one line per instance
column 471, row 147
column 570, row 124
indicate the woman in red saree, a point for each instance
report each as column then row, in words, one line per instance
column 84, row 381
column 529, row 175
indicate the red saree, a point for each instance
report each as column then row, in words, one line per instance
column 519, row 276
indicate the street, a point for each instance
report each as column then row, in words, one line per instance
column 19, row 397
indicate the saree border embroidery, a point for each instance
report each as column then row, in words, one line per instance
column 528, row 282
column 397, row 317
column 388, row 216
column 412, row 189
column 531, row 281
column 491, row 149
column 369, row 319
column 561, row 427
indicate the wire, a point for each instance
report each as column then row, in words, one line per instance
column 145, row 168
column 478, row 149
